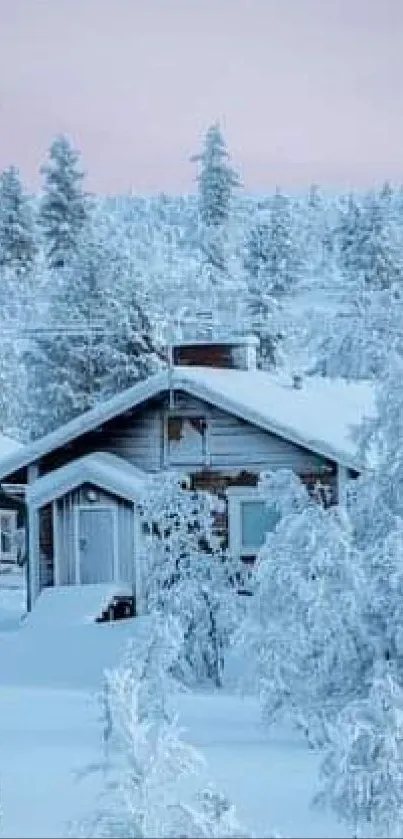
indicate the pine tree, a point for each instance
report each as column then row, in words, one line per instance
column 146, row 763
column 284, row 264
column 272, row 259
column 307, row 653
column 216, row 180
column 262, row 305
column 64, row 206
column 97, row 340
column 189, row 575
column 362, row 774
column 368, row 241
column 17, row 229
column 317, row 235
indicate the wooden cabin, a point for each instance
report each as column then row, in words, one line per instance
column 12, row 514
column 210, row 414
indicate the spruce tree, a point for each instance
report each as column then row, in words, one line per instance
column 216, row 180
column 64, row 205
column 368, row 241
column 17, row 229
column 97, row 339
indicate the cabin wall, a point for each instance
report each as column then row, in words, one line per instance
column 66, row 508
column 235, row 444
column 226, row 442
column 137, row 438
column 229, row 442
column 133, row 435
column 46, row 552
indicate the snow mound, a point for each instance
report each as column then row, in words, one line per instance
column 59, row 644
column 63, row 606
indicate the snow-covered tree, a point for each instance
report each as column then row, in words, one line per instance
column 353, row 339
column 63, row 211
column 283, row 267
column 17, row 227
column 266, row 254
column 273, row 266
column 306, row 653
column 97, row 339
column 153, row 781
column 12, row 382
column 217, row 182
column 368, row 241
column 217, row 179
column 376, row 514
column 318, row 234
column 362, row 774
column 348, row 230
column 188, row 572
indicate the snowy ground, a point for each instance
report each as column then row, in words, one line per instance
column 49, row 731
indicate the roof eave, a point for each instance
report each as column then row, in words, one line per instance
column 201, row 391
column 148, row 389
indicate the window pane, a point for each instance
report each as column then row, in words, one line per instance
column 6, row 521
column 5, row 542
column 256, row 520
column 186, row 439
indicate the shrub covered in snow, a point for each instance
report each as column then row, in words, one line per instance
column 362, row 774
column 153, row 782
column 189, row 575
column 301, row 629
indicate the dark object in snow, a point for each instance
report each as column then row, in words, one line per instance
column 121, row 607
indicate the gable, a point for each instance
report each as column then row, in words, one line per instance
column 235, row 443
column 190, row 433
column 319, row 417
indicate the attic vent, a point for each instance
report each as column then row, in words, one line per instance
column 235, row 353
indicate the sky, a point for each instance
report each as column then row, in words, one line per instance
column 305, row 90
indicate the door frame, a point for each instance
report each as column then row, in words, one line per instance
column 114, row 512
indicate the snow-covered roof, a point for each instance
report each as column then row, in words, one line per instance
column 320, row 416
column 8, row 445
column 105, row 470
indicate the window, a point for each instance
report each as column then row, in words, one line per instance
column 249, row 521
column 185, row 439
column 8, row 522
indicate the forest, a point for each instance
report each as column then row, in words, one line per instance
column 94, row 288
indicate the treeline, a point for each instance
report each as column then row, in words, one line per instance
column 93, row 287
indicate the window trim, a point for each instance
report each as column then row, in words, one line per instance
column 12, row 555
column 236, row 496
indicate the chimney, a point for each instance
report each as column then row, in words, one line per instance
column 230, row 353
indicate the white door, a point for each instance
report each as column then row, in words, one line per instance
column 96, row 545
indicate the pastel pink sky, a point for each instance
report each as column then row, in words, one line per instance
column 306, row 90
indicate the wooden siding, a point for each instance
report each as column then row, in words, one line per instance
column 321, row 485
column 66, row 525
column 46, row 565
column 235, row 444
column 141, row 437
column 136, row 436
